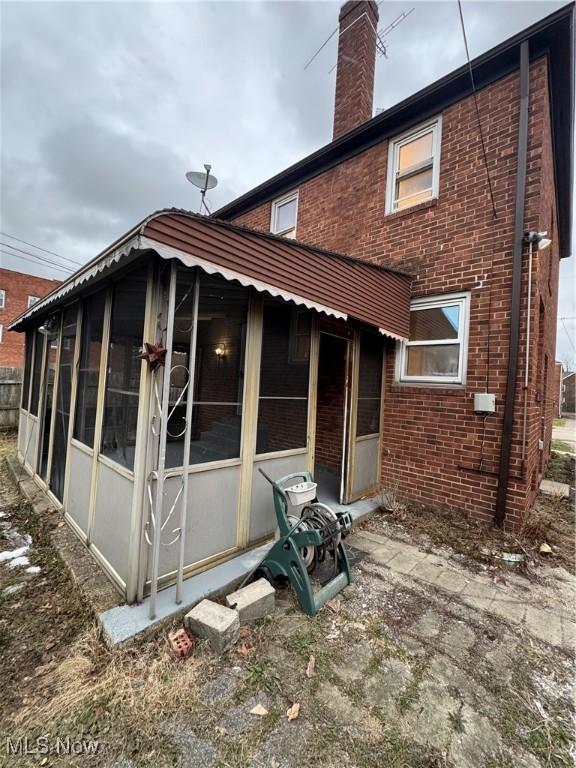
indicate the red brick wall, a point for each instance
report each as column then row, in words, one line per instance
column 330, row 402
column 18, row 287
column 437, row 450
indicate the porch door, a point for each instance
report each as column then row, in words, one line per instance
column 333, row 399
column 366, row 416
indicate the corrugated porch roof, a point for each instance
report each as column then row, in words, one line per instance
column 329, row 282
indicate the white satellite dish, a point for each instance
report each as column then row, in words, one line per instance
column 204, row 181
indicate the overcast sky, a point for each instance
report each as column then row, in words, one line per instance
column 106, row 105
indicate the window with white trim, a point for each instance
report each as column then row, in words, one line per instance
column 284, row 215
column 437, row 349
column 1, row 334
column 32, row 300
column 2, row 299
column 414, row 166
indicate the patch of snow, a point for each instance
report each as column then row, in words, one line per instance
column 2, row 514
column 18, row 561
column 33, row 569
column 11, row 554
column 13, row 588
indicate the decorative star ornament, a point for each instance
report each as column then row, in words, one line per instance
column 154, row 354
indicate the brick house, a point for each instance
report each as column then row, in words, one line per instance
column 360, row 195
column 374, row 315
column 18, row 291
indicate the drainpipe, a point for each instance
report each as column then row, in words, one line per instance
column 508, row 423
column 527, row 354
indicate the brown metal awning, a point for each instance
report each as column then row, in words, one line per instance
column 328, row 282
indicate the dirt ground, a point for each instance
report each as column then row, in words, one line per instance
column 403, row 677
column 552, row 521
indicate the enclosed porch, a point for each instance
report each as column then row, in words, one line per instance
column 257, row 357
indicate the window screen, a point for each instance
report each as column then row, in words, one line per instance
column 124, row 368
column 283, row 398
column 29, row 343
column 89, row 367
column 36, row 372
column 219, row 374
column 369, row 385
column 63, row 397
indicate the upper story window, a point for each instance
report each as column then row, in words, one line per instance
column 414, row 166
column 284, row 215
column 2, row 299
column 438, row 346
column 32, row 300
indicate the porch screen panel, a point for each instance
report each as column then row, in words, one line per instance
column 178, row 396
column 37, row 373
column 27, row 370
column 284, row 374
column 63, row 397
column 89, row 367
column 124, row 368
column 219, row 372
column 48, row 395
column 369, row 385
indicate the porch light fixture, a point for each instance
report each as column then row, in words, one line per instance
column 540, row 239
column 220, row 351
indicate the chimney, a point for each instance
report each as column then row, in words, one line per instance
column 358, row 22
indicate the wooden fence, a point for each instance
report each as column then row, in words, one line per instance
column 10, row 388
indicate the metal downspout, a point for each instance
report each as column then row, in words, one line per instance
column 508, row 423
column 527, row 361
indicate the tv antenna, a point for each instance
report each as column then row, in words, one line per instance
column 204, row 182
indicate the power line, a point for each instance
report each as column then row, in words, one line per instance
column 324, row 44
column 35, row 256
column 25, row 258
column 52, row 253
column 567, row 333
column 477, row 109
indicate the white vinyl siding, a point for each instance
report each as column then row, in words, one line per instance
column 414, row 166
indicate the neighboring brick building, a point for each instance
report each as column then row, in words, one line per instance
column 409, row 189
column 18, row 291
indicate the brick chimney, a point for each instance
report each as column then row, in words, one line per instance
column 356, row 63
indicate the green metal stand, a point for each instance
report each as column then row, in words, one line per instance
column 284, row 560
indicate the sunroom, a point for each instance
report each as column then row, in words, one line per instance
column 162, row 375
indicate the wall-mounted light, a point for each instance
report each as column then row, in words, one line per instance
column 220, row 351
column 539, row 238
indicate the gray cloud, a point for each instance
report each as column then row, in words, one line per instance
column 106, row 105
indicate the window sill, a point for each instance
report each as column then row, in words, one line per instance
column 412, row 209
column 404, row 385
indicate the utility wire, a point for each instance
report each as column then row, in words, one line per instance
column 324, row 44
column 563, row 321
column 52, row 253
column 35, row 256
column 477, row 109
column 25, row 258
column 43, row 259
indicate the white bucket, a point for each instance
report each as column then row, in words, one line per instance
column 301, row 493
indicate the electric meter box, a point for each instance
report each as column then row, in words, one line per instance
column 484, row 403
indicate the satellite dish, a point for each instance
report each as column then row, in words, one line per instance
column 204, row 181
